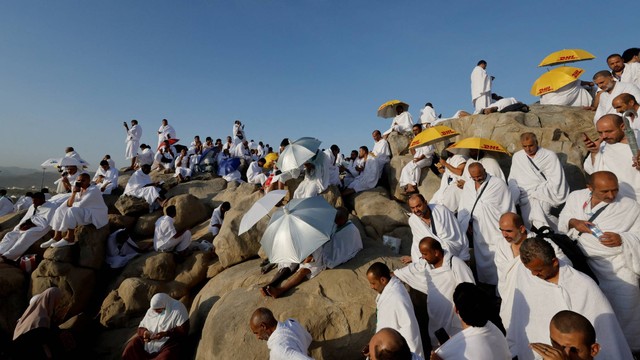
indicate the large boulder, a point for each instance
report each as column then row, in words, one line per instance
column 89, row 251
column 230, row 247
column 342, row 320
column 378, row 213
column 427, row 185
column 146, row 224
column 131, row 205
column 76, row 283
column 204, row 190
column 189, row 211
column 398, row 143
column 121, row 222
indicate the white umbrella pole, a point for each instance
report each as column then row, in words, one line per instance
column 42, row 181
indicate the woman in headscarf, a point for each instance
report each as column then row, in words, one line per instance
column 160, row 332
column 35, row 335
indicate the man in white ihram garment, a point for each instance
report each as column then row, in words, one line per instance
column 286, row 340
column 141, row 186
column 452, row 170
column 369, row 176
column 33, row 225
column 255, row 175
column 624, row 102
column 165, row 132
column 435, row 221
column 238, row 133
column 217, row 218
column 606, row 226
column 611, row 152
column 393, row 305
column 22, row 203
column 610, row 89
column 443, row 273
column 335, row 159
column 316, row 176
column 499, row 104
column 85, row 206
column 388, row 343
column 489, row 163
column 134, row 134
column 106, row 177
column 549, row 287
column 479, row 339
column 482, row 203
column 381, row 149
column 422, row 157
column 537, row 183
column 165, row 236
column 183, row 166
column 401, row 124
column 145, row 155
column 6, row 205
column 629, row 73
column 480, row 87
column 344, row 243
column 428, row 115
column 572, row 94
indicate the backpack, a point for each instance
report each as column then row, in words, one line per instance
column 570, row 248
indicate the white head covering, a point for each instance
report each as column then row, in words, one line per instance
column 174, row 315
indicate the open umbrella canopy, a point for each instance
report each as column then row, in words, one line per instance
column 171, row 142
column 298, row 229
column 297, row 153
column 555, row 79
column 477, row 143
column 388, row 109
column 566, row 56
column 65, row 161
column 432, row 135
column 228, row 166
column 259, row 209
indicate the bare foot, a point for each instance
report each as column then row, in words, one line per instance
column 265, row 291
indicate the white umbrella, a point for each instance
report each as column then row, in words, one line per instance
column 65, row 161
column 297, row 153
column 259, row 209
column 51, row 162
column 298, row 229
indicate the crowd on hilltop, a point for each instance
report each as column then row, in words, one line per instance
column 499, row 265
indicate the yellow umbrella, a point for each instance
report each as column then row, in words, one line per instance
column 270, row 158
column 388, row 109
column 432, row 135
column 477, row 143
column 566, row 56
column 555, row 79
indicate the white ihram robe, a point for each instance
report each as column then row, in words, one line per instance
column 411, row 172
column 395, row 311
column 477, row 343
column 449, row 194
column 163, row 236
column 88, row 208
column 617, row 268
column 441, row 283
column 255, row 174
column 368, row 178
column 631, row 74
column 537, row 193
column 315, row 180
column 605, row 105
column 118, row 257
column 15, row 243
column 133, row 141
column 345, row 243
column 165, row 132
column 290, row 341
column 490, row 165
column 618, row 159
column 334, row 163
column 382, row 151
column 495, row 201
column 401, row 123
column 136, row 187
column 6, row 206
column 183, row 166
column 110, row 179
column 536, row 301
column 480, row 89
column 428, row 116
column 572, row 94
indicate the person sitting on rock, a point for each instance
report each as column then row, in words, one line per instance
column 141, row 186
column 308, row 269
column 6, row 205
column 286, row 340
column 422, row 157
column 85, row 206
column 369, row 174
column 161, row 332
column 255, row 175
column 106, row 177
column 33, row 226
column 120, row 249
column 23, row 202
column 217, row 217
column 35, row 334
column 183, row 166
column 165, row 236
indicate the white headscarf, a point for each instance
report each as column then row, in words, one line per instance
column 174, row 315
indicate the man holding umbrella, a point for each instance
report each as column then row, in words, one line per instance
column 401, row 123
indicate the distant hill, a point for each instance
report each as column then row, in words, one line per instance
column 26, row 179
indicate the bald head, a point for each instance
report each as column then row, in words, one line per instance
column 512, row 228
column 611, row 128
column 573, row 334
column 624, row 102
column 567, row 321
column 388, row 343
column 604, row 187
column 262, row 323
column 512, row 218
column 477, row 172
column 431, row 244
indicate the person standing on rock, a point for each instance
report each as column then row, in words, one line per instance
column 161, row 333
column 166, row 238
column 165, row 132
column 133, row 141
column 480, row 87
column 286, row 340
column 217, row 217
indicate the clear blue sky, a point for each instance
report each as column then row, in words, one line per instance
column 72, row 71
